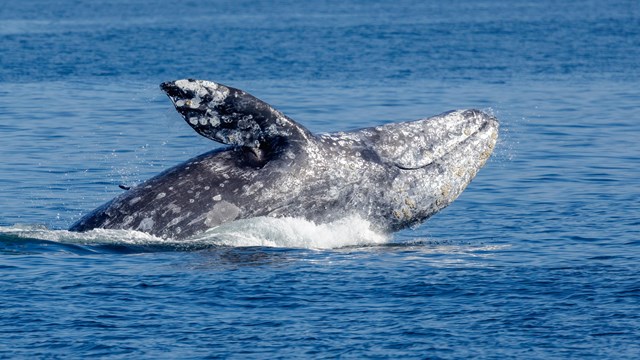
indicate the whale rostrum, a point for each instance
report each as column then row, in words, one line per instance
column 395, row 175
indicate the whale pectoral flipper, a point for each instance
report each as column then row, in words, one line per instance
column 231, row 116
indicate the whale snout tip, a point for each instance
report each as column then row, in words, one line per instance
column 484, row 120
column 480, row 115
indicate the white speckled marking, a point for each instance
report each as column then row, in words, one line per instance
column 146, row 225
column 222, row 212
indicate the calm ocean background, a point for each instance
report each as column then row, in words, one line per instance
column 539, row 258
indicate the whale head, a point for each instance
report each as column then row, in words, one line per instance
column 435, row 159
column 425, row 164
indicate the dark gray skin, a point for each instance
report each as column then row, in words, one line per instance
column 394, row 176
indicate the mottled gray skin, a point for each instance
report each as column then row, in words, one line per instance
column 394, row 175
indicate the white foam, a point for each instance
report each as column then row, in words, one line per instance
column 260, row 231
column 295, row 233
column 92, row 237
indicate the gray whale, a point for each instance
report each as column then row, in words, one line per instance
column 395, row 175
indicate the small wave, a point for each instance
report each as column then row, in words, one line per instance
column 260, row 231
column 97, row 236
column 39, row 239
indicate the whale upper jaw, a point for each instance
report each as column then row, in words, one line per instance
column 416, row 144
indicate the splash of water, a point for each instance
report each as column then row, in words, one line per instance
column 295, row 233
column 260, row 231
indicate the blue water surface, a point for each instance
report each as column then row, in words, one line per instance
column 539, row 258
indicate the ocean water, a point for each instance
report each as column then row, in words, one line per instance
column 539, row 258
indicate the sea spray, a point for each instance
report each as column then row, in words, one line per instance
column 295, row 233
column 260, row 231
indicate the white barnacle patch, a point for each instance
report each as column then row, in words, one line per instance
column 146, row 225
column 214, row 120
column 253, row 188
column 271, row 129
column 160, row 195
column 219, row 94
column 221, row 212
column 175, row 221
column 194, row 103
column 174, row 208
column 485, row 155
column 410, row 203
column 445, row 190
column 135, row 200
column 193, row 120
column 217, row 197
column 200, row 88
column 127, row 220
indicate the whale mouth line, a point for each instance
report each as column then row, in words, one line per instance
column 413, row 168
